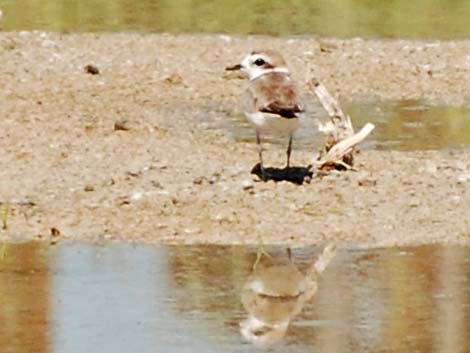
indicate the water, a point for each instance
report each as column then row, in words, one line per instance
column 413, row 125
column 123, row 298
column 339, row 18
column 400, row 125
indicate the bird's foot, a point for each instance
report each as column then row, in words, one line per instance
column 260, row 172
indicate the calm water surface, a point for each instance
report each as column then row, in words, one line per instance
column 337, row 18
column 123, row 298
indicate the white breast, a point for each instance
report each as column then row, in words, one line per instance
column 272, row 123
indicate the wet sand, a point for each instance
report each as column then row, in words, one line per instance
column 131, row 153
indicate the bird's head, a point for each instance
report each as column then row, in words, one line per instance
column 260, row 62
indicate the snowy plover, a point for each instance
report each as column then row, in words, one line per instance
column 275, row 292
column 270, row 103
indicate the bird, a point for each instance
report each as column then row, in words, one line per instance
column 276, row 291
column 271, row 102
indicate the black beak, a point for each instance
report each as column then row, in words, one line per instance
column 234, row 67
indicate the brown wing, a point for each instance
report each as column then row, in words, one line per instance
column 275, row 93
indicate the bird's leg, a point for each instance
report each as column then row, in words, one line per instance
column 289, row 149
column 260, row 253
column 260, row 153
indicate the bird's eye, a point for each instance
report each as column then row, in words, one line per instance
column 260, row 62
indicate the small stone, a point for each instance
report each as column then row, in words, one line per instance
column 455, row 199
column 133, row 173
column 88, row 188
column 366, row 179
column 108, row 236
column 123, row 200
column 309, row 53
column 247, row 185
column 54, row 235
column 173, row 79
column 327, row 47
column 137, row 195
column 463, row 177
column 47, row 43
column 367, row 182
column 214, row 178
column 225, row 38
column 430, row 168
column 192, row 230
column 156, row 184
column 91, row 69
column 199, row 180
column 109, row 182
column 121, row 125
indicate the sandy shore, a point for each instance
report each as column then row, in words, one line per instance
column 130, row 153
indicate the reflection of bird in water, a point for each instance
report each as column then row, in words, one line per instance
column 275, row 292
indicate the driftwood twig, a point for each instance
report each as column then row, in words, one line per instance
column 340, row 136
column 341, row 121
column 335, row 154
